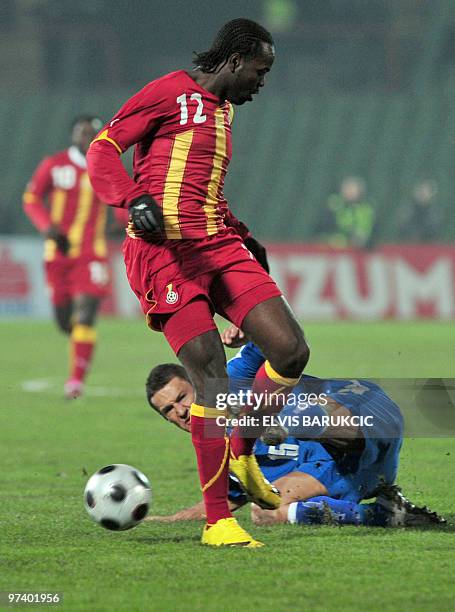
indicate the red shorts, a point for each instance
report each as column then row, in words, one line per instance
column 67, row 278
column 182, row 283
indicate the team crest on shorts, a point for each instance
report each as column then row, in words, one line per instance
column 172, row 296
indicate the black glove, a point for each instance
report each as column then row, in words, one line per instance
column 61, row 240
column 146, row 215
column 258, row 251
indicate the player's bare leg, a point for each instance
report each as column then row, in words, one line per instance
column 205, row 361
column 272, row 326
column 83, row 341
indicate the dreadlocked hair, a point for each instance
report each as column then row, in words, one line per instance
column 237, row 36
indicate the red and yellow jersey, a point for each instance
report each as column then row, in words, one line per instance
column 182, row 134
column 72, row 205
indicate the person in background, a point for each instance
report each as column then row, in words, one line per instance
column 351, row 215
column 421, row 218
column 61, row 204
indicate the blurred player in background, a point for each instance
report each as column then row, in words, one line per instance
column 186, row 254
column 320, row 481
column 60, row 202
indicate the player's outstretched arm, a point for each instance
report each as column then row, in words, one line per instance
column 194, row 513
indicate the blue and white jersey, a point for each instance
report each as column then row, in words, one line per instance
column 345, row 477
column 360, row 397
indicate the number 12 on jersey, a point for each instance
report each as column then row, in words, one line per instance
column 198, row 116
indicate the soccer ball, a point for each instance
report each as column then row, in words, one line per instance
column 118, row 497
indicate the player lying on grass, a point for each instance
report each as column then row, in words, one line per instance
column 320, row 481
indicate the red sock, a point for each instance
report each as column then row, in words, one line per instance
column 83, row 340
column 268, row 381
column 212, row 452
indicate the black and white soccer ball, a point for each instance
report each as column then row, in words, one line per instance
column 118, row 497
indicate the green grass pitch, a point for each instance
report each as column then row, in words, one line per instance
column 48, row 447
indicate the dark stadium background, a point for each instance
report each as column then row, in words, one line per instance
column 363, row 88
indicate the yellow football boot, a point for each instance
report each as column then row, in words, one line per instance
column 258, row 489
column 227, row 532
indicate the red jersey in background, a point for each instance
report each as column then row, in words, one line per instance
column 72, row 205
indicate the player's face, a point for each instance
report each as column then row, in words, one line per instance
column 83, row 134
column 174, row 400
column 249, row 75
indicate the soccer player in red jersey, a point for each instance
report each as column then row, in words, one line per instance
column 60, row 202
column 185, row 253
